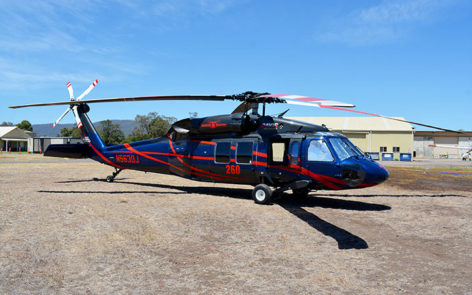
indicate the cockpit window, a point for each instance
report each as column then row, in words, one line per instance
column 356, row 149
column 318, row 151
column 342, row 148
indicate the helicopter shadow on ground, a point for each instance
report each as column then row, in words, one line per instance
column 345, row 239
column 296, row 207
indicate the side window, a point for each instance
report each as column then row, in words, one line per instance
column 318, row 151
column 244, row 153
column 222, row 152
column 294, row 149
column 278, row 151
column 294, row 152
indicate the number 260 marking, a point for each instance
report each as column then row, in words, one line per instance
column 233, row 169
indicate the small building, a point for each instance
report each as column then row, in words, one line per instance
column 14, row 138
column 376, row 136
column 40, row 144
column 441, row 144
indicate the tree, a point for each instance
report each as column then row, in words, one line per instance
column 65, row 132
column 25, row 125
column 6, row 124
column 150, row 126
column 72, row 132
column 110, row 133
column 160, row 125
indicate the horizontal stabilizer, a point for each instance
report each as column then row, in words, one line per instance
column 76, row 151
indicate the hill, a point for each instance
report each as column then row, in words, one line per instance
column 47, row 131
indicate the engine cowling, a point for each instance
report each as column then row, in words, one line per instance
column 237, row 122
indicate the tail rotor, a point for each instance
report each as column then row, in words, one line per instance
column 74, row 107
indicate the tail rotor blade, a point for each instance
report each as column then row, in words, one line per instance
column 87, row 91
column 60, row 118
column 77, row 118
column 71, row 91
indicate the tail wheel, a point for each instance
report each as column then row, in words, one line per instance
column 262, row 194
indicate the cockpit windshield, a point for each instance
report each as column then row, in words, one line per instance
column 355, row 148
column 344, row 148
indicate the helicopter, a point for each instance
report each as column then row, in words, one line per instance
column 271, row 153
column 467, row 155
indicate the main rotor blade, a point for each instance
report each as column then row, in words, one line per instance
column 60, row 118
column 390, row 118
column 138, row 98
column 87, row 91
column 309, row 101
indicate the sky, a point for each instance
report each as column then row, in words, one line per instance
column 401, row 58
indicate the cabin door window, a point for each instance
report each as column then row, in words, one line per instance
column 222, row 152
column 244, row 153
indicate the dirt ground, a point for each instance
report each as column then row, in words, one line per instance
column 61, row 231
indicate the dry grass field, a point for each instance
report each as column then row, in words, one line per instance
column 61, row 231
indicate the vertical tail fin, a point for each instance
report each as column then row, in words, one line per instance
column 89, row 133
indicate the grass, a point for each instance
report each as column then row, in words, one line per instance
column 437, row 169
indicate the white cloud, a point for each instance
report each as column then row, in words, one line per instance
column 383, row 23
column 14, row 76
column 215, row 6
column 185, row 7
column 43, row 42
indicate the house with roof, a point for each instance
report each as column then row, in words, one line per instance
column 14, row 138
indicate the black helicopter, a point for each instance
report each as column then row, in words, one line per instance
column 244, row 147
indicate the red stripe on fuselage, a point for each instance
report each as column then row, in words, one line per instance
column 101, row 155
column 263, row 164
column 169, row 154
column 163, row 162
column 203, row 141
column 196, row 169
column 318, row 177
column 259, row 154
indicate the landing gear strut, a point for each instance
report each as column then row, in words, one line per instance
column 110, row 178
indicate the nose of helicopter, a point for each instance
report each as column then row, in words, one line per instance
column 361, row 172
column 375, row 173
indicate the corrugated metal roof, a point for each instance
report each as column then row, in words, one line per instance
column 358, row 123
column 444, row 133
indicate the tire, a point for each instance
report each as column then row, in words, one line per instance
column 110, row 178
column 262, row 194
column 301, row 193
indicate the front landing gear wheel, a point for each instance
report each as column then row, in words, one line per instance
column 110, row 178
column 262, row 194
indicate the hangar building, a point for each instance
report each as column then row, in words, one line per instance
column 452, row 145
column 376, row 136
